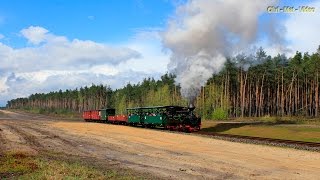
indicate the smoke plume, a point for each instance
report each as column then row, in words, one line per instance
column 204, row 32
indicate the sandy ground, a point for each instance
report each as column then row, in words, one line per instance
column 162, row 154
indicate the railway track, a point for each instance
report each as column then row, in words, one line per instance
column 314, row 146
column 311, row 146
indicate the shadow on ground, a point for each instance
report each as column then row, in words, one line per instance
column 221, row 127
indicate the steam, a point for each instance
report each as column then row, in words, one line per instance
column 203, row 33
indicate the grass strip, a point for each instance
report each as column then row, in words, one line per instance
column 19, row 165
column 298, row 132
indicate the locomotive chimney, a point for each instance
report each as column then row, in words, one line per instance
column 191, row 106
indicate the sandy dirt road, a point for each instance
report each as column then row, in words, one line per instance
column 162, row 154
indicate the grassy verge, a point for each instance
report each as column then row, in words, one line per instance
column 63, row 113
column 289, row 131
column 18, row 165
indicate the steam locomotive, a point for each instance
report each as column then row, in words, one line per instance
column 174, row 118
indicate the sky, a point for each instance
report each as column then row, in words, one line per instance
column 50, row 45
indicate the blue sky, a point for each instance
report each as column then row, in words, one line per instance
column 108, row 21
column 64, row 44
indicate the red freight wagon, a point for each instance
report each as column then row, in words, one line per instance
column 112, row 119
column 95, row 115
column 86, row 115
column 122, row 118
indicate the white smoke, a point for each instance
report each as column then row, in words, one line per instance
column 204, row 32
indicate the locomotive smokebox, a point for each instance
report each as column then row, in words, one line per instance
column 191, row 107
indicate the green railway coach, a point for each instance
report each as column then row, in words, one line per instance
column 154, row 116
column 134, row 116
column 147, row 116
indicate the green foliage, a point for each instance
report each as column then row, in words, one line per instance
column 219, row 114
column 52, row 111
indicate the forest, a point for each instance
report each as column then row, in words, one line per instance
column 247, row 86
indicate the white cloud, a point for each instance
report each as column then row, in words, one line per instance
column 54, row 62
column 303, row 29
column 148, row 41
column 2, row 36
column 59, row 53
column 3, row 86
column 35, row 34
column 292, row 32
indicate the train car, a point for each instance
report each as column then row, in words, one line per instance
column 118, row 119
column 154, row 116
column 105, row 113
column 121, row 119
column 86, row 115
column 112, row 119
column 146, row 116
column 134, row 116
column 95, row 115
